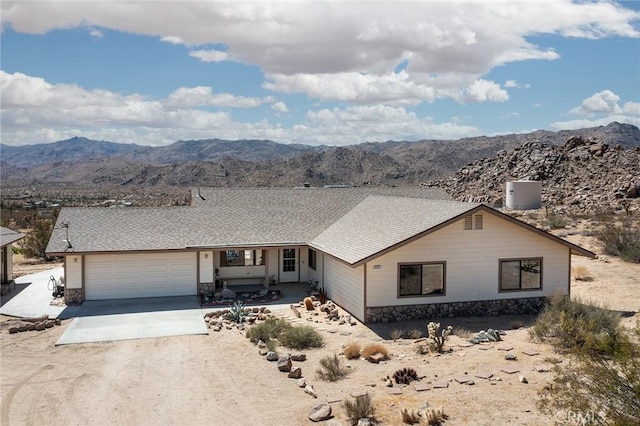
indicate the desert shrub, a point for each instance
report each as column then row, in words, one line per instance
column 375, row 348
column 35, row 243
column 16, row 250
column 331, row 369
column 571, row 325
column 421, row 348
column 270, row 329
column 272, row 344
column 300, row 337
column 360, row 408
column 463, row 333
column 308, row 304
column 621, row 240
column 437, row 337
column 352, row 351
column 516, row 324
column 555, row 221
column 603, row 391
column 415, row 333
column 396, row 334
column 236, row 313
column 581, row 273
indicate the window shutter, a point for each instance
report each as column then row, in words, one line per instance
column 468, row 223
column 223, row 258
column 478, row 221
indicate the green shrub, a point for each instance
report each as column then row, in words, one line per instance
column 360, row 408
column 555, row 221
column 35, row 243
column 331, row 369
column 621, row 240
column 603, row 391
column 300, row 337
column 270, row 329
column 571, row 325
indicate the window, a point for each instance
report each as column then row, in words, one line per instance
column 468, row 222
column 313, row 258
column 241, row 258
column 521, row 274
column 421, row 279
column 288, row 260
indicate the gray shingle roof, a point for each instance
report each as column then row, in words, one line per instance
column 8, row 236
column 226, row 217
column 378, row 223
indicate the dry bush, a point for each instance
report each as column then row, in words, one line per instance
column 415, row 333
column 308, row 303
column 581, row 273
column 361, row 408
column 331, row 369
column 375, row 348
column 352, row 351
column 621, row 240
column 422, row 348
column 463, row 333
column 396, row 334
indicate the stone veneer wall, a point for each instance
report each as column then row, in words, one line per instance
column 524, row 305
column 73, row 296
column 206, row 288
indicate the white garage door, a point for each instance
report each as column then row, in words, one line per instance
column 124, row 276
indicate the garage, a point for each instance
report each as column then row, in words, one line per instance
column 126, row 276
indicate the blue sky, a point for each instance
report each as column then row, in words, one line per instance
column 335, row 73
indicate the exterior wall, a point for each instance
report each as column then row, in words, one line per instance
column 272, row 263
column 303, row 264
column 73, row 272
column 206, row 266
column 345, row 286
column 472, row 258
column 316, row 275
column 7, row 263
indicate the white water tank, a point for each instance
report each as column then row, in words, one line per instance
column 524, row 195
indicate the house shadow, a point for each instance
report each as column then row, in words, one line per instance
column 90, row 308
column 472, row 324
column 14, row 290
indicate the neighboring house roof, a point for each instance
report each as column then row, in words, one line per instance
column 8, row 236
column 224, row 218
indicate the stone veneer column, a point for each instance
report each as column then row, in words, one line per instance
column 73, row 296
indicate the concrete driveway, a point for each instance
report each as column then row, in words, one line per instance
column 108, row 320
column 105, row 320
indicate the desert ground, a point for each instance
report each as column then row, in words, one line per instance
column 220, row 379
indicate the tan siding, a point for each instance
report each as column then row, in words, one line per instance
column 206, row 266
column 345, row 286
column 73, row 271
column 317, row 274
column 472, row 263
column 304, row 264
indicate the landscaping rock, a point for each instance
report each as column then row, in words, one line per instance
column 523, row 379
column 262, row 351
column 309, row 390
column 272, row 356
column 301, row 382
column 13, row 330
column 261, row 344
column 320, row 413
column 510, row 357
column 284, row 364
column 295, row 373
column 227, row 293
column 376, row 358
column 299, row 357
column 365, row 422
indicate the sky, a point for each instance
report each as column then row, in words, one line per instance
column 314, row 72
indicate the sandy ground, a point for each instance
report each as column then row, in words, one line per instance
column 25, row 266
column 220, row 379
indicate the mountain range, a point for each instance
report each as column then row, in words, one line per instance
column 256, row 163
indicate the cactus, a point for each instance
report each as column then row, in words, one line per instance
column 236, row 313
column 410, row 417
column 436, row 417
column 405, row 375
column 437, row 338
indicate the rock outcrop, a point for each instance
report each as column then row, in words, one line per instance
column 582, row 176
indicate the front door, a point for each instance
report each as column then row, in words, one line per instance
column 289, row 265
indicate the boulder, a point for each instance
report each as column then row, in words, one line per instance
column 284, row 364
column 320, row 413
column 272, row 356
column 228, row 294
column 298, row 357
column 301, row 382
column 511, row 357
column 309, row 390
column 295, row 373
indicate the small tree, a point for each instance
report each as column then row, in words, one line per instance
column 36, row 240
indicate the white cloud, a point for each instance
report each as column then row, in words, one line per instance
column 511, row 83
column 601, row 109
column 172, row 40
column 350, row 48
column 210, row 55
column 96, row 33
column 189, row 97
column 280, row 108
column 34, row 111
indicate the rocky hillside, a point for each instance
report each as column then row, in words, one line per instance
column 582, row 175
